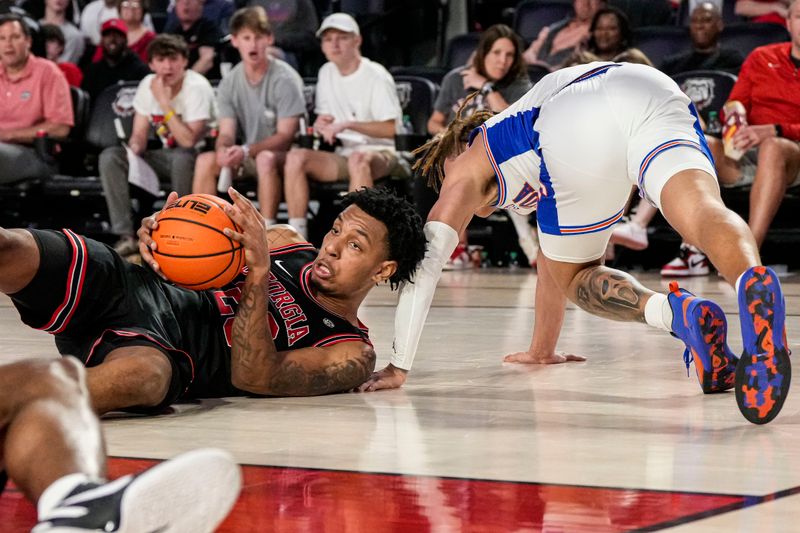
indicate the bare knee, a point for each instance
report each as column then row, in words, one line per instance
column 266, row 161
column 28, row 381
column 358, row 162
column 296, row 159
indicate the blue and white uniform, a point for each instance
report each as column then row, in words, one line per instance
column 573, row 146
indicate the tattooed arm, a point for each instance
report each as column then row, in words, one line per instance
column 256, row 365
column 609, row 293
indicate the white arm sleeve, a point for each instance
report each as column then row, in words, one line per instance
column 416, row 297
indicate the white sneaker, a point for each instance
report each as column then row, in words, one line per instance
column 630, row 235
column 191, row 493
column 690, row 262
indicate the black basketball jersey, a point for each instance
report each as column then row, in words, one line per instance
column 296, row 318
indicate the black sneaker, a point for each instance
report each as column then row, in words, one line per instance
column 190, row 493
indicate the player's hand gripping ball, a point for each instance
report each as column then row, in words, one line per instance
column 192, row 250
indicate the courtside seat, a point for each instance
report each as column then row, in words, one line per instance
column 660, row 42
column 748, row 36
column 459, row 50
column 533, row 15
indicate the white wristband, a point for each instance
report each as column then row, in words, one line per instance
column 415, row 298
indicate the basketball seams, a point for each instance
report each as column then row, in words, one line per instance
column 182, row 266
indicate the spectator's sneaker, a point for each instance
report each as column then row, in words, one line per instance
column 126, row 246
column 190, row 493
column 459, row 259
column 630, row 235
column 690, row 262
column 764, row 372
column 701, row 325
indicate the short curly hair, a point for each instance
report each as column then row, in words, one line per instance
column 406, row 240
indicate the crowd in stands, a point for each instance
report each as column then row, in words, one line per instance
column 221, row 95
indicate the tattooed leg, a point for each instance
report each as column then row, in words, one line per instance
column 609, row 293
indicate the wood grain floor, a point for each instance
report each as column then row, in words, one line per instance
column 628, row 419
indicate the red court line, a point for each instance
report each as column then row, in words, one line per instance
column 299, row 500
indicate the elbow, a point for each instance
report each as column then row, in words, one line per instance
column 246, row 384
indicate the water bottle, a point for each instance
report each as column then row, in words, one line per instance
column 408, row 127
column 714, row 126
column 225, row 180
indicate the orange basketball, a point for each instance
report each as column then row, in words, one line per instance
column 192, row 250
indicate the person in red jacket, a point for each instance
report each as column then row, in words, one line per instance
column 768, row 89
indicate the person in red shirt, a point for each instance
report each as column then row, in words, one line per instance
column 34, row 97
column 768, row 88
column 774, row 11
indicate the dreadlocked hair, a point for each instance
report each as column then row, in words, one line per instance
column 448, row 143
column 405, row 238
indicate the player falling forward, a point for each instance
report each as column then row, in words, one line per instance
column 572, row 147
column 53, row 450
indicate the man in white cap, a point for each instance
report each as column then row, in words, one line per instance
column 357, row 106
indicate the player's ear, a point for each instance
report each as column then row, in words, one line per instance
column 384, row 271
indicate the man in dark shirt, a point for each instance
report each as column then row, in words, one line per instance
column 705, row 28
column 118, row 62
column 200, row 34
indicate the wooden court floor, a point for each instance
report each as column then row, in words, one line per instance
column 623, row 442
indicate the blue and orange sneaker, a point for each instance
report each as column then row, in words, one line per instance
column 702, row 326
column 764, row 372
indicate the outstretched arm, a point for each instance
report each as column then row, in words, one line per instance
column 465, row 190
column 550, row 305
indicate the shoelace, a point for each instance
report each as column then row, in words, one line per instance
column 688, row 358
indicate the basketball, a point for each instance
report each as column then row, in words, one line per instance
column 191, row 248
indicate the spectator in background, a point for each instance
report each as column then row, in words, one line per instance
column 258, row 82
column 294, row 23
column 117, row 63
column 768, row 88
column 774, row 11
column 54, row 49
column 35, row 98
column 705, row 27
column 132, row 13
column 497, row 71
column 356, row 104
column 178, row 104
column 201, row 35
column 610, row 34
column 555, row 43
column 55, row 13
column 217, row 11
column 96, row 13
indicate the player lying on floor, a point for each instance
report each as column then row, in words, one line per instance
column 288, row 327
column 52, row 448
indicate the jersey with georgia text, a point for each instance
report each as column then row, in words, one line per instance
column 296, row 318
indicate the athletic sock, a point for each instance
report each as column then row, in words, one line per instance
column 739, row 280
column 658, row 313
column 271, row 221
column 301, row 225
column 58, row 490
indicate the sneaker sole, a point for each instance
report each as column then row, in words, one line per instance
column 764, row 372
column 708, row 329
column 192, row 492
